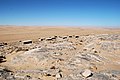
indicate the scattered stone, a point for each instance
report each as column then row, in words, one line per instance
column 76, row 36
column 28, row 77
column 53, row 67
column 2, row 59
column 70, row 36
column 41, row 39
column 48, row 74
column 87, row 73
column 58, row 75
column 95, row 52
column 81, row 40
column 69, row 53
column 2, row 44
column 27, row 42
column 64, row 37
column 57, row 53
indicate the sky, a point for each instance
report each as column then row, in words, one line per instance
column 60, row 12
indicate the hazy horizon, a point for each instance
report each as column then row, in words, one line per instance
column 93, row 13
column 82, row 26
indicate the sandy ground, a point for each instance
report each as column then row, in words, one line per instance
column 16, row 33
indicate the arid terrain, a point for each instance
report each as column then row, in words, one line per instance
column 59, row 53
column 16, row 33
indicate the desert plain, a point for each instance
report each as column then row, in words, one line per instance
column 59, row 53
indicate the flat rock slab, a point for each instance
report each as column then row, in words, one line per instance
column 87, row 73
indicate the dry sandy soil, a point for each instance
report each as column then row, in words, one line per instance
column 16, row 33
column 75, row 54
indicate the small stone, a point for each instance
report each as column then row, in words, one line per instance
column 87, row 73
column 53, row 67
column 58, row 75
column 95, row 52
column 48, row 74
column 28, row 77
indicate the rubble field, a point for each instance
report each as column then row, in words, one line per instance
column 70, row 57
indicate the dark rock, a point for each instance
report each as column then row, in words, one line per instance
column 53, row 67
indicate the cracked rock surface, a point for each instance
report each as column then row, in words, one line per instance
column 81, row 57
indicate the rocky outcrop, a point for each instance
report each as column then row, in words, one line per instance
column 74, row 57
